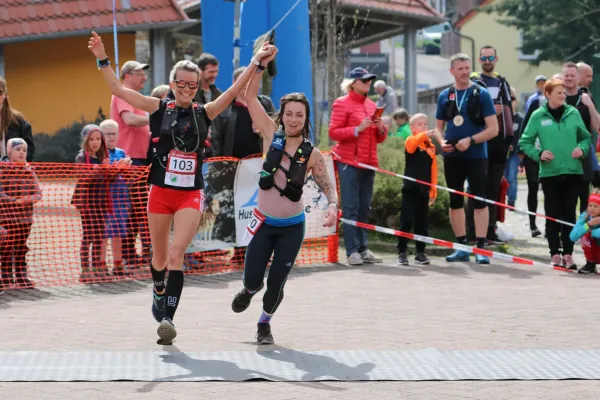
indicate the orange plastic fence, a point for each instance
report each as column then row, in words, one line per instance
column 64, row 224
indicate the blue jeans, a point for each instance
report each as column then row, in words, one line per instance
column 510, row 173
column 356, row 186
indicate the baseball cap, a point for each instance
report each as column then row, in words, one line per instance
column 361, row 73
column 540, row 78
column 89, row 128
column 130, row 66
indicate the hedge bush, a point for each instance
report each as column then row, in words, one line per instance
column 62, row 146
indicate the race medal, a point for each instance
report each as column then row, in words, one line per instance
column 181, row 169
column 458, row 120
column 255, row 222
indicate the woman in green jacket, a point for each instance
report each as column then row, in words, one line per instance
column 556, row 137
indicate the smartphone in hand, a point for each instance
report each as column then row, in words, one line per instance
column 378, row 113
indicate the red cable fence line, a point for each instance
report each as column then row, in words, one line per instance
column 58, row 222
column 496, row 203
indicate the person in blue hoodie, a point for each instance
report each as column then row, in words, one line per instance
column 116, row 222
column 587, row 229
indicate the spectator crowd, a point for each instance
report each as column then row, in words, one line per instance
column 485, row 143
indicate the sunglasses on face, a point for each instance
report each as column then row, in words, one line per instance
column 366, row 80
column 182, row 84
column 487, row 58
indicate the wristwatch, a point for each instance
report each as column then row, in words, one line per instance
column 259, row 66
column 472, row 142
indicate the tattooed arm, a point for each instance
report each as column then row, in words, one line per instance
column 316, row 164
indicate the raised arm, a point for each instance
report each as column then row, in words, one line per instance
column 136, row 99
column 264, row 124
column 217, row 106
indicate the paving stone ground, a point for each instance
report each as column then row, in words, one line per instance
column 333, row 307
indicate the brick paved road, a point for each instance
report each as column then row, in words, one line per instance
column 382, row 307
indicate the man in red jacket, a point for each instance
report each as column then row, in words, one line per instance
column 357, row 132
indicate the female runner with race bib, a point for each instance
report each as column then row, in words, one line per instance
column 179, row 128
column 277, row 224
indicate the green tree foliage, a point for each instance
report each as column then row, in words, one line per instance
column 561, row 30
column 62, row 146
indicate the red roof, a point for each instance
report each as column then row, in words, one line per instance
column 409, row 7
column 470, row 14
column 33, row 20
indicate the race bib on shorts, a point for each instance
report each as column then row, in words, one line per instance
column 255, row 222
column 181, row 169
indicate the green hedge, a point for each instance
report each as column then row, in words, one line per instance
column 64, row 144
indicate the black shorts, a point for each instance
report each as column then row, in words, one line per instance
column 459, row 169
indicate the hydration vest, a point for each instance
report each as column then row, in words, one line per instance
column 185, row 132
column 473, row 106
column 296, row 174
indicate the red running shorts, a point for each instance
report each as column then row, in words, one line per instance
column 169, row 201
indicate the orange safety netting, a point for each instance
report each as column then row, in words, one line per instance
column 63, row 224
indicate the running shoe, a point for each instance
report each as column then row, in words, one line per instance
column 588, row 268
column 457, row 256
column 402, row 259
column 422, row 259
column 568, row 262
column 242, row 299
column 166, row 332
column 263, row 334
column 158, row 306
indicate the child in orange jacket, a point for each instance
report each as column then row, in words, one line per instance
column 421, row 164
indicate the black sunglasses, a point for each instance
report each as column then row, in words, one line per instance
column 366, row 80
column 182, row 84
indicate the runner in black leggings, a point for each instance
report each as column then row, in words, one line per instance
column 277, row 225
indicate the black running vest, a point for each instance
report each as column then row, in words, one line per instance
column 296, row 174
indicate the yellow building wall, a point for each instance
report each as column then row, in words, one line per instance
column 485, row 30
column 56, row 82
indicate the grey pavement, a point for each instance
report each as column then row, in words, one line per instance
column 376, row 307
column 461, row 306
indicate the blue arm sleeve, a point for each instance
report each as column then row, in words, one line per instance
column 580, row 228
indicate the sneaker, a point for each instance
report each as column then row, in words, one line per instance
column 556, row 261
column 241, row 301
column 568, row 262
column 369, row 258
column 355, row 259
column 481, row 259
column 588, row 268
column 511, row 204
column 504, row 235
column 402, row 259
column 158, row 306
column 493, row 239
column 166, row 332
column 458, row 255
column 263, row 334
column 535, row 232
column 421, row 259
